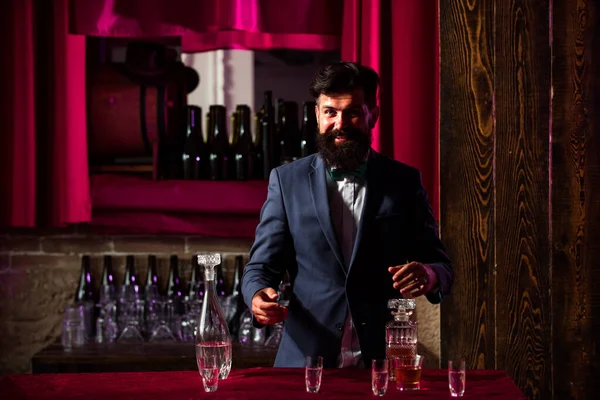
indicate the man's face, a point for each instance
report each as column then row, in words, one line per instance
column 345, row 124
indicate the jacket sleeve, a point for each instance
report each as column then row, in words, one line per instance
column 428, row 247
column 266, row 265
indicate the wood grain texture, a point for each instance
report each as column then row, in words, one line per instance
column 575, row 197
column 523, row 93
column 539, row 313
column 466, row 179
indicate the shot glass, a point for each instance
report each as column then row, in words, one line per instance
column 209, row 370
column 313, row 373
column 408, row 372
column 456, row 378
column 379, row 376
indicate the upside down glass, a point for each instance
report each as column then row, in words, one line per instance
column 408, row 372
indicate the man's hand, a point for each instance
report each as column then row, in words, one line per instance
column 265, row 308
column 413, row 279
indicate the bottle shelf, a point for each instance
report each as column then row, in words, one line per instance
column 139, row 357
column 135, row 204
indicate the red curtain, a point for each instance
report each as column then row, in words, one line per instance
column 400, row 40
column 43, row 149
column 216, row 24
column 44, row 176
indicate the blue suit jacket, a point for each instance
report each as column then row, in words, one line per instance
column 295, row 233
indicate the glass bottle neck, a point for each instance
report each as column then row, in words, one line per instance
column 209, row 273
column 401, row 317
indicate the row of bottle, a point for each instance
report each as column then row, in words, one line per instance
column 242, row 155
column 176, row 287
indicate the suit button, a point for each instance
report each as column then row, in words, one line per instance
column 339, row 326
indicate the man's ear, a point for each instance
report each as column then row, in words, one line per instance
column 374, row 117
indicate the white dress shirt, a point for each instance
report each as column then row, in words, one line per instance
column 346, row 200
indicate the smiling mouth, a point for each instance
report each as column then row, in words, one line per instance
column 340, row 138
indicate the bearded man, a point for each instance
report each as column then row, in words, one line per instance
column 351, row 227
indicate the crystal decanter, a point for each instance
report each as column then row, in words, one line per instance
column 401, row 333
column 212, row 336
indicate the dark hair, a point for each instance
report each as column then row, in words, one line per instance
column 343, row 77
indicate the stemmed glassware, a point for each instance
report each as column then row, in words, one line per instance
column 131, row 312
column 163, row 311
column 106, row 324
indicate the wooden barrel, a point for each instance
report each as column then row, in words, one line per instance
column 128, row 120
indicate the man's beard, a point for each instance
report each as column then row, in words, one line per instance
column 346, row 156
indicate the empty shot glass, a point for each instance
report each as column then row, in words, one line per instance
column 313, row 373
column 379, row 376
column 456, row 378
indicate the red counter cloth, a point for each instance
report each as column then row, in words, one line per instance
column 245, row 384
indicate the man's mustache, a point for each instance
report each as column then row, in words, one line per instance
column 349, row 133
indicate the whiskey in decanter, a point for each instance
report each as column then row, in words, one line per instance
column 401, row 333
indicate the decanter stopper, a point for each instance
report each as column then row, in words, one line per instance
column 402, row 309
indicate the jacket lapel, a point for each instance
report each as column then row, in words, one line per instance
column 318, row 191
column 373, row 198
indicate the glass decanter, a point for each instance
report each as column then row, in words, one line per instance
column 212, row 336
column 401, row 333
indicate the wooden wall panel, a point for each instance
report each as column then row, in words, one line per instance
column 523, row 93
column 576, row 198
column 520, row 190
column 466, row 185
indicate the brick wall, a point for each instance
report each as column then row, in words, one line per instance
column 39, row 273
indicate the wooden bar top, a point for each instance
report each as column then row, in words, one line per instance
column 129, row 357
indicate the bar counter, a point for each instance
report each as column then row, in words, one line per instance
column 244, row 384
column 144, row 357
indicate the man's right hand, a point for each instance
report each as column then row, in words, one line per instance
column 265, row 308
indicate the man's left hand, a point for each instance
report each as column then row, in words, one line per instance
column 413, row 279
